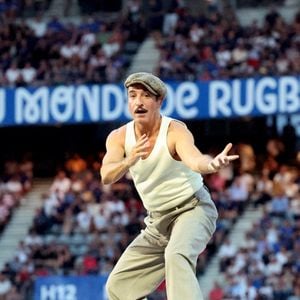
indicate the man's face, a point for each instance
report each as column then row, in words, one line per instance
column 143, row 105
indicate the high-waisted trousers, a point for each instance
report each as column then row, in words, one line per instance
column 168, row 250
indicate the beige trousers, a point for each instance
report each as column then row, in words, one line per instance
column 167, row 249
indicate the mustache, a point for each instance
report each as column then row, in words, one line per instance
column 140, row 110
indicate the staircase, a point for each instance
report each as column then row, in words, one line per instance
column 195, row 7
column 236, row 236
column 59, row 8
column 146, row 58
column 21, row 220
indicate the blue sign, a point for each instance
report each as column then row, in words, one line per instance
column 185, row 100
column 70, row 288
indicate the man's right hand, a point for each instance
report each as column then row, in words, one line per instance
column 139, row 151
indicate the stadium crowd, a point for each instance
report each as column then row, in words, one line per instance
column 38, row 51
column 216, row 45
column 82, row 226
column 267, row 265
column 15, row 181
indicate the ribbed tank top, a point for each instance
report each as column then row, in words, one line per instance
column 161, row 181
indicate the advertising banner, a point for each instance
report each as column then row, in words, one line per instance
column 185, row 100
column 70, row 288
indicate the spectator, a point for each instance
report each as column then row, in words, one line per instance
column 100, row 222
column 216, row 292
column 13, row 74
column 84, row 220
column 38, row 26
column 279, row 205
column 5, row 286
column 76, row 164
column 28, row 74
column 60, row 185
column 226, row 253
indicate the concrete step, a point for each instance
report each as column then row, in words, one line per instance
column 236, row 236
column 18, row 227
column 146, row 58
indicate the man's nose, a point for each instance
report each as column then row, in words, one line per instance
column 139, row 100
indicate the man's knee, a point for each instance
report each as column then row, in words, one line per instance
column 178, row 257
column 115, row 291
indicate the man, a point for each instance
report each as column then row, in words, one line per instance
column 166, row 167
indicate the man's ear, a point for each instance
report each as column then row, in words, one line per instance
column 160, row 99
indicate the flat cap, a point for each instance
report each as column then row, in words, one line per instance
column 151, row 82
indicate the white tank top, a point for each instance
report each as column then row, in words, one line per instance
column 161, row 181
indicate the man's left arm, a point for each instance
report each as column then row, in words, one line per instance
column 192, row 157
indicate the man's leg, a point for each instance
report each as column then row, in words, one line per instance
column 190, row 234
column 138, row 272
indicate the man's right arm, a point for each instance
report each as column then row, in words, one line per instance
column 115, row 165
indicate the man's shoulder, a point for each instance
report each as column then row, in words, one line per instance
column 118, row 133
column 176, row 124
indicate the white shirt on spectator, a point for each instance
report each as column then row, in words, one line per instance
column 38, row 26
column 33, row 239
column 272, row 236
column 88, row 39
column 266, row 291
column 282, row 64
column 61, row 186
column 110, row 48
column 196, row 33
column 240, row 261
column 115, row 205
column 69, row 50
column 223, row 57
column 273, row 267
column 120, row 219
column 12, row 74
column 14, row 186
column 169, row 23
column 248, row 242
column 282, row 257
column 5, row 285
column 84, row 219
column 239, row 54
column 238, row 288
column 100, row 220
column 83, row 51
column 251, row 293
column 227, row 250
column 237, row 191
column 28, row 73
column 51, row 204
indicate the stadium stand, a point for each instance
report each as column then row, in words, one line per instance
column 15, row 182
column 82, row 227
column 52, row 51
column 216, row 45
column 266, row 266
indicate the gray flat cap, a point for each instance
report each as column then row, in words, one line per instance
column 151, row 82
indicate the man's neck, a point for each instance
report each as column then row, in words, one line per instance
column 149, row 129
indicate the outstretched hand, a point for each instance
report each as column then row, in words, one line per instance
column 222, row 160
